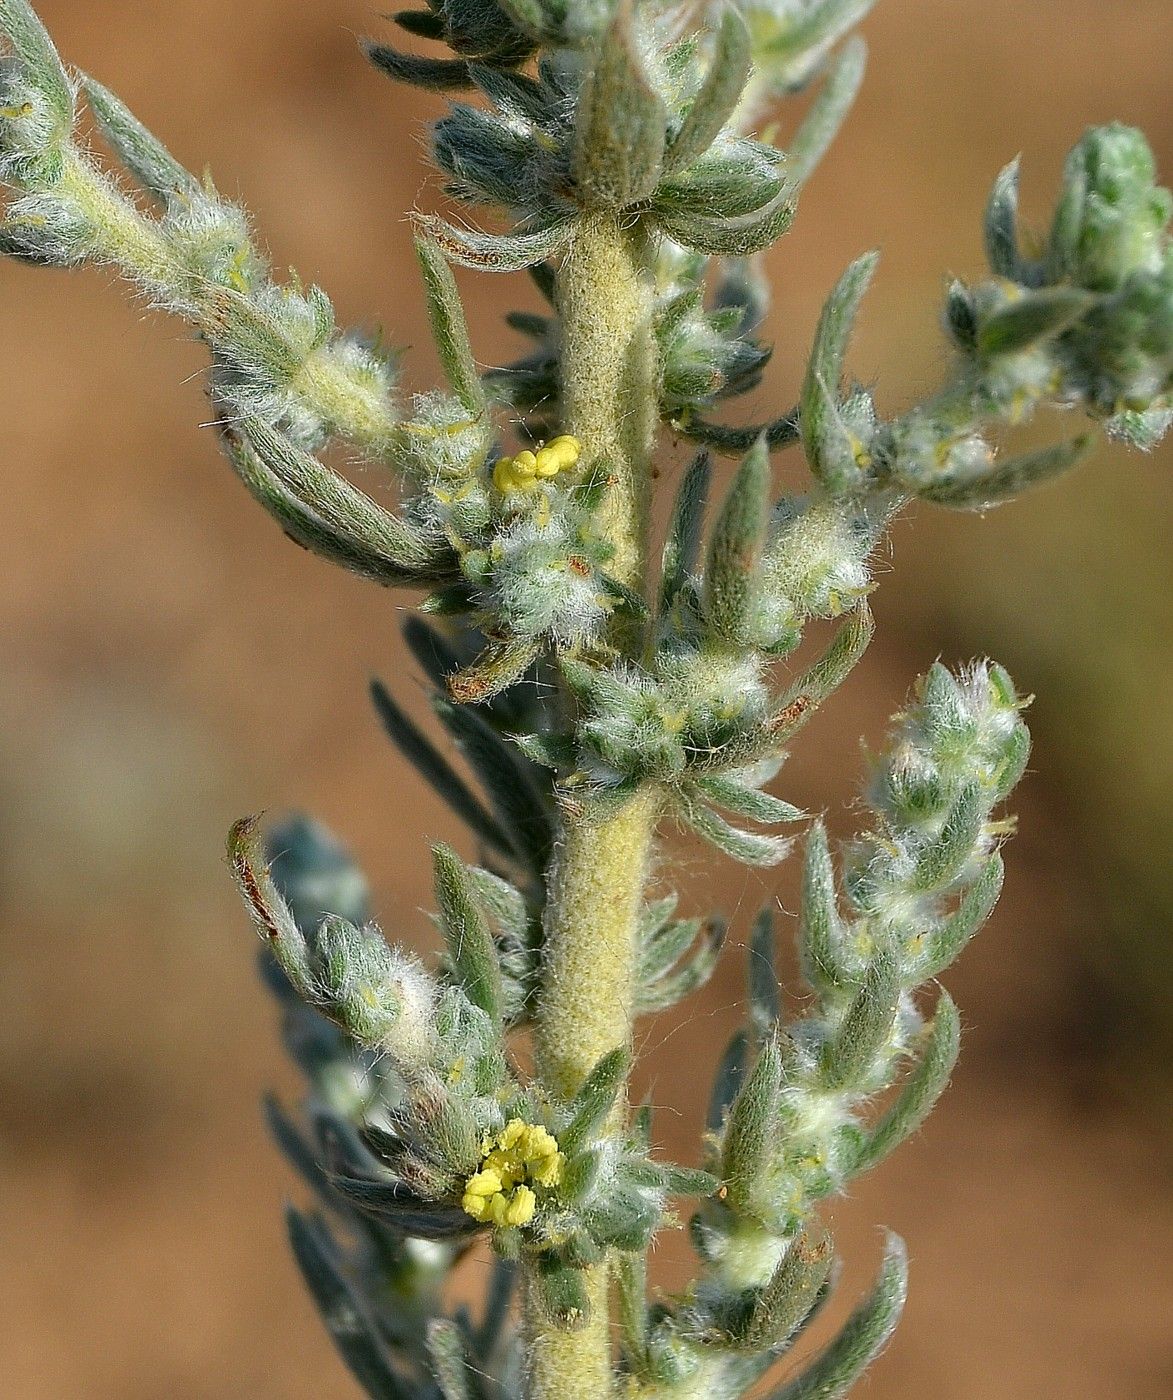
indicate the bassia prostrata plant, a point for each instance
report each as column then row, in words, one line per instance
column 598, row 691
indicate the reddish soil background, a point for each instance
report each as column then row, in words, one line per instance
column 169, row 662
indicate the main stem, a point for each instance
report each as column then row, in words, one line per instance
column 597, row 881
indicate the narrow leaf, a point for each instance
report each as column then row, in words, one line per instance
column 43, row 68
column 840, row 1365
column 822, row 432
column 866, row 1027
column 505, row 775
column 733, row 238
column 719, row 94
column 436, row 74
column 1010, row 477
column 748, row 802
column 733, row 441
column 354, row 1331
column 449, row 327
column 270, row 914
column 820, row 928
column 632, row 1280
column 436, row 770
column 497, row 668
column 839, row 660
column 736, row 546
column 944, row 943
column 621, row 121
column 728, row 1080
column 828, row 111
column 922, row 1086
column 147, row 159
column 471, row 949
column 336, row 501
column 765, row 1008
column 594, row 1100
column 682, row 545
column 782, row 1306
column 746, row 846
column 489, row 252
column 752, row 1128
column 1033, row 317
column 446, row 1351
column 1001, row 224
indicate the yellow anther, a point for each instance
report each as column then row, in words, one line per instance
column 525, row 465
column 520, row 1210
column 503, row 476
column 486, row 1182
column 501, row 1192
column 522, row 472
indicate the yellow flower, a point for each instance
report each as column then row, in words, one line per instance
column 522, row 473
column 521, row 1156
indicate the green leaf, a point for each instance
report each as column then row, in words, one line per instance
column 820, row 928
column 732, row 441
column 733, row 238
column 839, row 660
column 595, row 1099
column 560, row 1294
column 828, row 111
column 341, row 507
column 659, row 993
column 499, row 666
column 621, row 122
column 343, row 1309
column 39, row 60
column 1010, row 477
column 746, row 846
column 944, row 943
column 829, row 451
column 943, row 859
column 660, row 952
column 922, row 1086
column 682, row 545
column 1001, row 225
column 866, row 1027
column 1033, row 317
column 748, row 802
column 147, row 159
column 815, row 25
column 471, row 949
column 736, row 547
column 765, row 1007
column 719, row 94
column 449, row 1366
column 782, row 1306
column 751, row 1131
column 727, row 1081
column 270, row 913
column 436, row 74
column 632, row 1290
column 506, row 777
column 449, row 327
column 492, row 252
column 840, row 1365
column 427, row 760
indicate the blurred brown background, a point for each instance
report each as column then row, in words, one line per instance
column 169, row 662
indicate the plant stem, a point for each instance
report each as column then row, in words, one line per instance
column 597, row 880
column 609, row 374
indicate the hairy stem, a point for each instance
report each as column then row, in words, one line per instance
column 597, row 880
column 609, row 372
